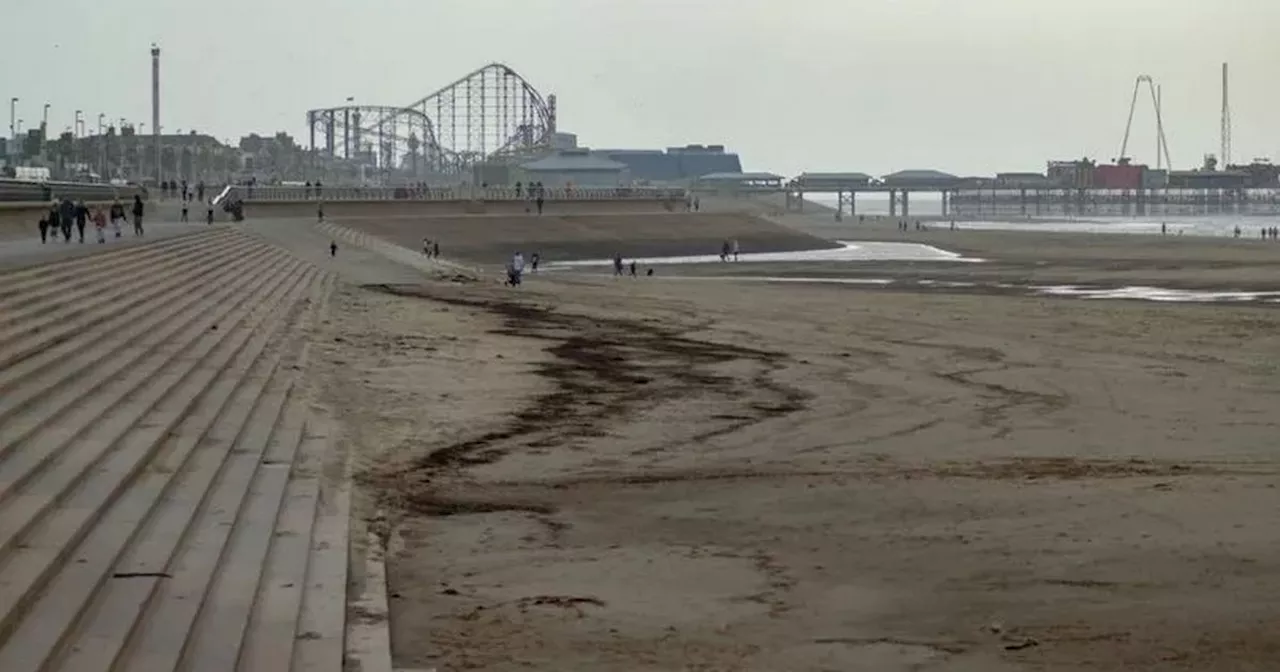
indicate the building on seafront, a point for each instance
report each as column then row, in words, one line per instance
column 675, row 165
column 575, row 168
column 670, row 166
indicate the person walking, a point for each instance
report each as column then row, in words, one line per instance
column 117, row 216
column 137, row 215
column 54, row 218
column 44, row 228
column 208, row 218
column 183, row 217
column 66, row 218
column 100, row 224
column 82, row 218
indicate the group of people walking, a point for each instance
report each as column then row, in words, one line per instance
column 188, row 192
column 65, row 215
column 1267, row 233
column 431, row 248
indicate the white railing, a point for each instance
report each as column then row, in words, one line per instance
column 462, row 193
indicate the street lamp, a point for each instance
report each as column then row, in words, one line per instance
column 102, row 144
column 13, row 112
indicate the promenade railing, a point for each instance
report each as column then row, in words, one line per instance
column 461, row 193
column 22, row 191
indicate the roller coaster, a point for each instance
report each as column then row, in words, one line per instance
column 489, row 115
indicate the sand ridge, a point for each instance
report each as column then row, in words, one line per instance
column 493, row 239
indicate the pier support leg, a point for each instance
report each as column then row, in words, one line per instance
column 799, row 201
column 853, row 204
column 906, row 203
column 944, row 203
column 839, row 205
column 893, row 203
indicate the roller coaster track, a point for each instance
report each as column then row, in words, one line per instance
column 489, row 114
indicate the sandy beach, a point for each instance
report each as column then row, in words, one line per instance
column 588, row 473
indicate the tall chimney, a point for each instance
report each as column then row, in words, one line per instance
column 1225, row 157
column 155, row 106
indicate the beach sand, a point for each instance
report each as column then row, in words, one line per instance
column 654, row 474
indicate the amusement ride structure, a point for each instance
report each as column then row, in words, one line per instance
column 491, row 115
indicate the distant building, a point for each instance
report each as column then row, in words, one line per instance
column 1071, row 174
column 578, row 168
column 1208, row 179
column 561, row 141
column 677, row 165
column 1023, row 181
column 1262, row 173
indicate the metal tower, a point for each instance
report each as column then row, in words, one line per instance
column 1226, row 121
column 155, row 108
column 1162, row 147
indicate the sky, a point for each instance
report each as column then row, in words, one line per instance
column 971, row 87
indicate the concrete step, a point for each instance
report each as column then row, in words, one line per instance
column 273, row 628
column 41, row 374
column 95, row 500
column 35, row 533
column 60, row 323
column 107, row 362
column 99, row 286
column 185, row 472
column 168, row 497
column 16, row 282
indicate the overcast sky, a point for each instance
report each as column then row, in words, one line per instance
column 966, row 86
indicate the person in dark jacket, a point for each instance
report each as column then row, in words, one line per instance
column 66, row 218
column 44, row 228
column 82, row 218
column 137, row 215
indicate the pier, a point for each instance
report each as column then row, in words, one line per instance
column 1028, row 195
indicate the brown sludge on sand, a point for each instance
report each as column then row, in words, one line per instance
column 654, row 474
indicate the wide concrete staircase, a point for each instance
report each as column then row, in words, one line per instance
column 169, row 500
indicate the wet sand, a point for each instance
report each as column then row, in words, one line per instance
column 598, row 474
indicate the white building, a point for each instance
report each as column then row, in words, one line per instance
column 577, row 168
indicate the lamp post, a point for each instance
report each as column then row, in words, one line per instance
column 137, row 143
column 78, row 132
column 13, row 115
column 102, row 144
